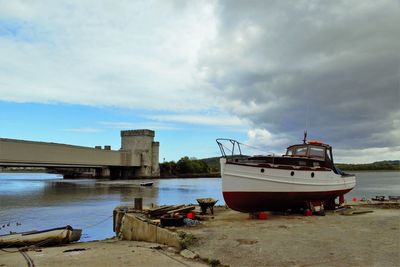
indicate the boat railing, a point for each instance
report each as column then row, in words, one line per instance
column 233, row 150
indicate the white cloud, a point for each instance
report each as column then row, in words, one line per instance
column 263, row 141
column 83, row 130
column 126, row 54
column 366, row 155
column 216, row 120
column 138, row 125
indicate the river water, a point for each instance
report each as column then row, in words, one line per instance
column 38, row 201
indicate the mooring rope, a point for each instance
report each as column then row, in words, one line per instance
column 28, row 259
column 95, row 224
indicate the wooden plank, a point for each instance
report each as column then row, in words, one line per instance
column 183, row 210
column 163, row 210
column 159, row 208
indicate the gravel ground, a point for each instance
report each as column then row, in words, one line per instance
column 100, row 253
column 371, row 239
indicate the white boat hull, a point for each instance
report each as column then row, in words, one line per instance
column 249, row 188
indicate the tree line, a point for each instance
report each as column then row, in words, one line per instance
column 376, row 166
column 185, row 166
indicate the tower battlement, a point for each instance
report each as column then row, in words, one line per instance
column 141, row 132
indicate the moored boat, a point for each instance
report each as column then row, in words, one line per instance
column 146, row 184
column 54, row 236
column 304, row 176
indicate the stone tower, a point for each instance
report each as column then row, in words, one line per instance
column 144, row 152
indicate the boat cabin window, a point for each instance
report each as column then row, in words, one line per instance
column 297, row 151
column 300, row 151
column 307, row 151
column 317, row 152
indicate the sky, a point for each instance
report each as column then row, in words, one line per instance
column 261, row 72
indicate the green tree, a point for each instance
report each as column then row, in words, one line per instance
column 185, row 165
column 168, row 168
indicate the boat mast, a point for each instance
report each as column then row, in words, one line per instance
column 305, row 137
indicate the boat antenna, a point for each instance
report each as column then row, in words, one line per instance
column 305, row 137
column 307, row 114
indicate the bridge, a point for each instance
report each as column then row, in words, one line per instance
column 137, row 158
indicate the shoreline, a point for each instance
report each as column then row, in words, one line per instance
column 193, row 175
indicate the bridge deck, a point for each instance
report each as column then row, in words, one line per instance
column 29, row 153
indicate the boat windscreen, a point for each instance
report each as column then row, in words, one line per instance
column 300, row 151
column 317, row 152
column 297, row 151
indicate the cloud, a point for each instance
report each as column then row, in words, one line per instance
column 129, row 54
column 83, row 130
column 367, row 155
column 265, row 142
column 140, row 125
column 272, row 68
column 216, row 120
column 330, row 67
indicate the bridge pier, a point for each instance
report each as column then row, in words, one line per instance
column 105, row 173
column 71, row 173
column 115, row 172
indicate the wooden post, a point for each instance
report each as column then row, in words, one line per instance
column 114, row 218
column 138, row 203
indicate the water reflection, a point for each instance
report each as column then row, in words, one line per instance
column 16, row 183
